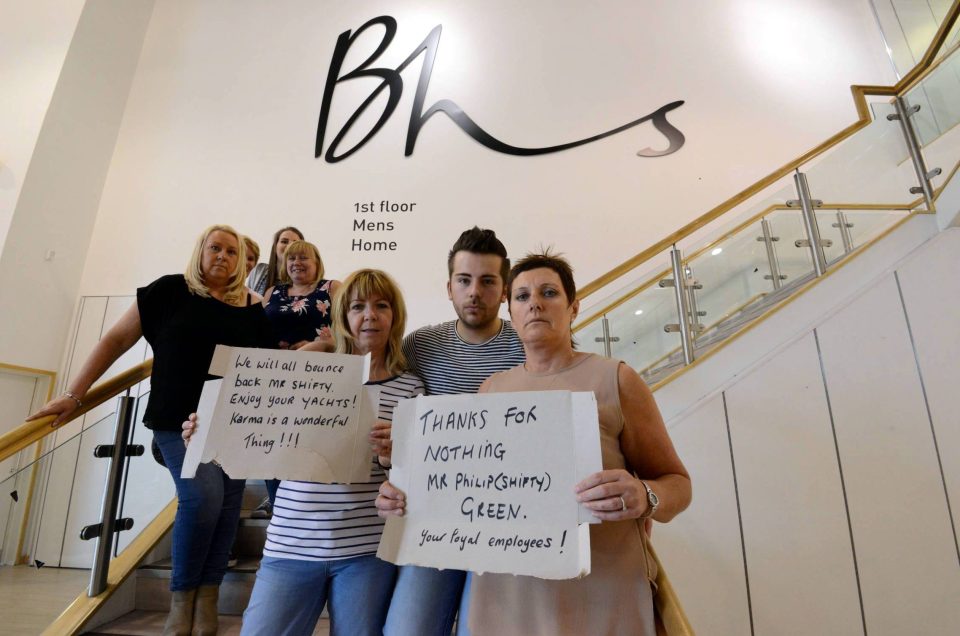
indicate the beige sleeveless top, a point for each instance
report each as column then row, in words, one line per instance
column 615, row 598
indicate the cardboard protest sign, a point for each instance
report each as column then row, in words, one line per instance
column 285, row 414
column 489, row 482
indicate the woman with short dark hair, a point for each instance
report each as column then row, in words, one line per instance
column 642, row 475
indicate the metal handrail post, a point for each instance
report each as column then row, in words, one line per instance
column 903, row 115
column 683, row 308
column 111, row 497
column 844, row 226
column 810, row 224
column 768, row 239
column 606, row 337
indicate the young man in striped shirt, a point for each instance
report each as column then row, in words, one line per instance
column 456, row 357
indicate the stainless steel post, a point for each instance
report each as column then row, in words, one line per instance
column 606, row 337
column 903, row 115
column 111, row 496
column 768, row 240
column 844, row 226
column 692, row 285
column 810, row 223
column 683, row 309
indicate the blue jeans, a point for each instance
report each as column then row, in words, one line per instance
column 208, row 511
column 289, row 596
column 425, row 602
column 273, row 485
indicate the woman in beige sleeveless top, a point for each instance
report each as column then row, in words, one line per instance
column 642, row 476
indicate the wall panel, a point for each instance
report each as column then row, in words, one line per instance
column 701, row 549
column 905, row 546
column 932, row 302
column 799, row 557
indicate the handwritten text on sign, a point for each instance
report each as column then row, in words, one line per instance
column 489, row 482
column 285, row 414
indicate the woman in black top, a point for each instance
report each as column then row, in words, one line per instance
column 184, row 317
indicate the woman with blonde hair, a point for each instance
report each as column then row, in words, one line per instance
column 298, row 309
column 298, row 306
column 322, row 540
column 184, row 317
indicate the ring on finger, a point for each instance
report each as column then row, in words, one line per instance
column 623, row 504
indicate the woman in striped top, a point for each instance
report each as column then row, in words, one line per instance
column 322, row 540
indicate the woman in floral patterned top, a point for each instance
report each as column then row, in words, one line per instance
column 299, row 306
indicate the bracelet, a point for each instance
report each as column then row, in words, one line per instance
column 73, row 397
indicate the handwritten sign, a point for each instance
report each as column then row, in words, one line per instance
column 489, row 481
column 287, row 415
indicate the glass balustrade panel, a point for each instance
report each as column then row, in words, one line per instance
column 589, row 337
column 786, row 226
column 147, row 486
column 938, row 96
column 637, row 327
column 60, row 488
column 871, row 167
column 732, row 274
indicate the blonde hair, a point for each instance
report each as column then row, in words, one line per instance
column 298, row 248
column 252, row 247
column 236, row 289
column 363, row 284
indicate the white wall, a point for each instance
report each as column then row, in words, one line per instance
column 48, row 236
column 34, row 37
column 824, row 473
column 221, row 122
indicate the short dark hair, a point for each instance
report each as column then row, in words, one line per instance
column 554, row 262
column 479, row 241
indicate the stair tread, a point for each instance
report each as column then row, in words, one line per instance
column 245, row 565
column 149, row 623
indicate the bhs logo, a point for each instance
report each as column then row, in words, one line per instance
column 390, row 80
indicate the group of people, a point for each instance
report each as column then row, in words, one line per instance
column 322, row 538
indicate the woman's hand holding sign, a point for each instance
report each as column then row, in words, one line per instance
column 391, row 501
column 381, row 443
column 613, row 495
column 189, row 427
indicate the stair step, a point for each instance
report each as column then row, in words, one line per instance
column 254, row 492
column 251, row 535
column 150, row 623
column 153, row 586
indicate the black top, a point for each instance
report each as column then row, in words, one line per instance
column 183, row 329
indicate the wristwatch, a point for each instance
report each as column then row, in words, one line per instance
column 652, row 500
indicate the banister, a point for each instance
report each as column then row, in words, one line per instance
column 83, row 608
column 926, row 65
column 34, row 430
column 597, row 313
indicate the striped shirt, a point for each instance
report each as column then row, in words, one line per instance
column 450, row 365
column 317, row 522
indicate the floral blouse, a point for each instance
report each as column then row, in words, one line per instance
column 296, row 318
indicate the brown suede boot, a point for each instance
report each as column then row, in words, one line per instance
column 180, row 619
column 206, row 614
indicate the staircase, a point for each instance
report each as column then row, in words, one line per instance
column 152, row 584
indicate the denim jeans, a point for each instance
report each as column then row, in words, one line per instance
column 273, row 485
column 425, row 602
column 208, row 511
column 289, row 595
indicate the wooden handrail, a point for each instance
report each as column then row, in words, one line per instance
column 32, row 431
column 84, row 607
column 926, row 65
